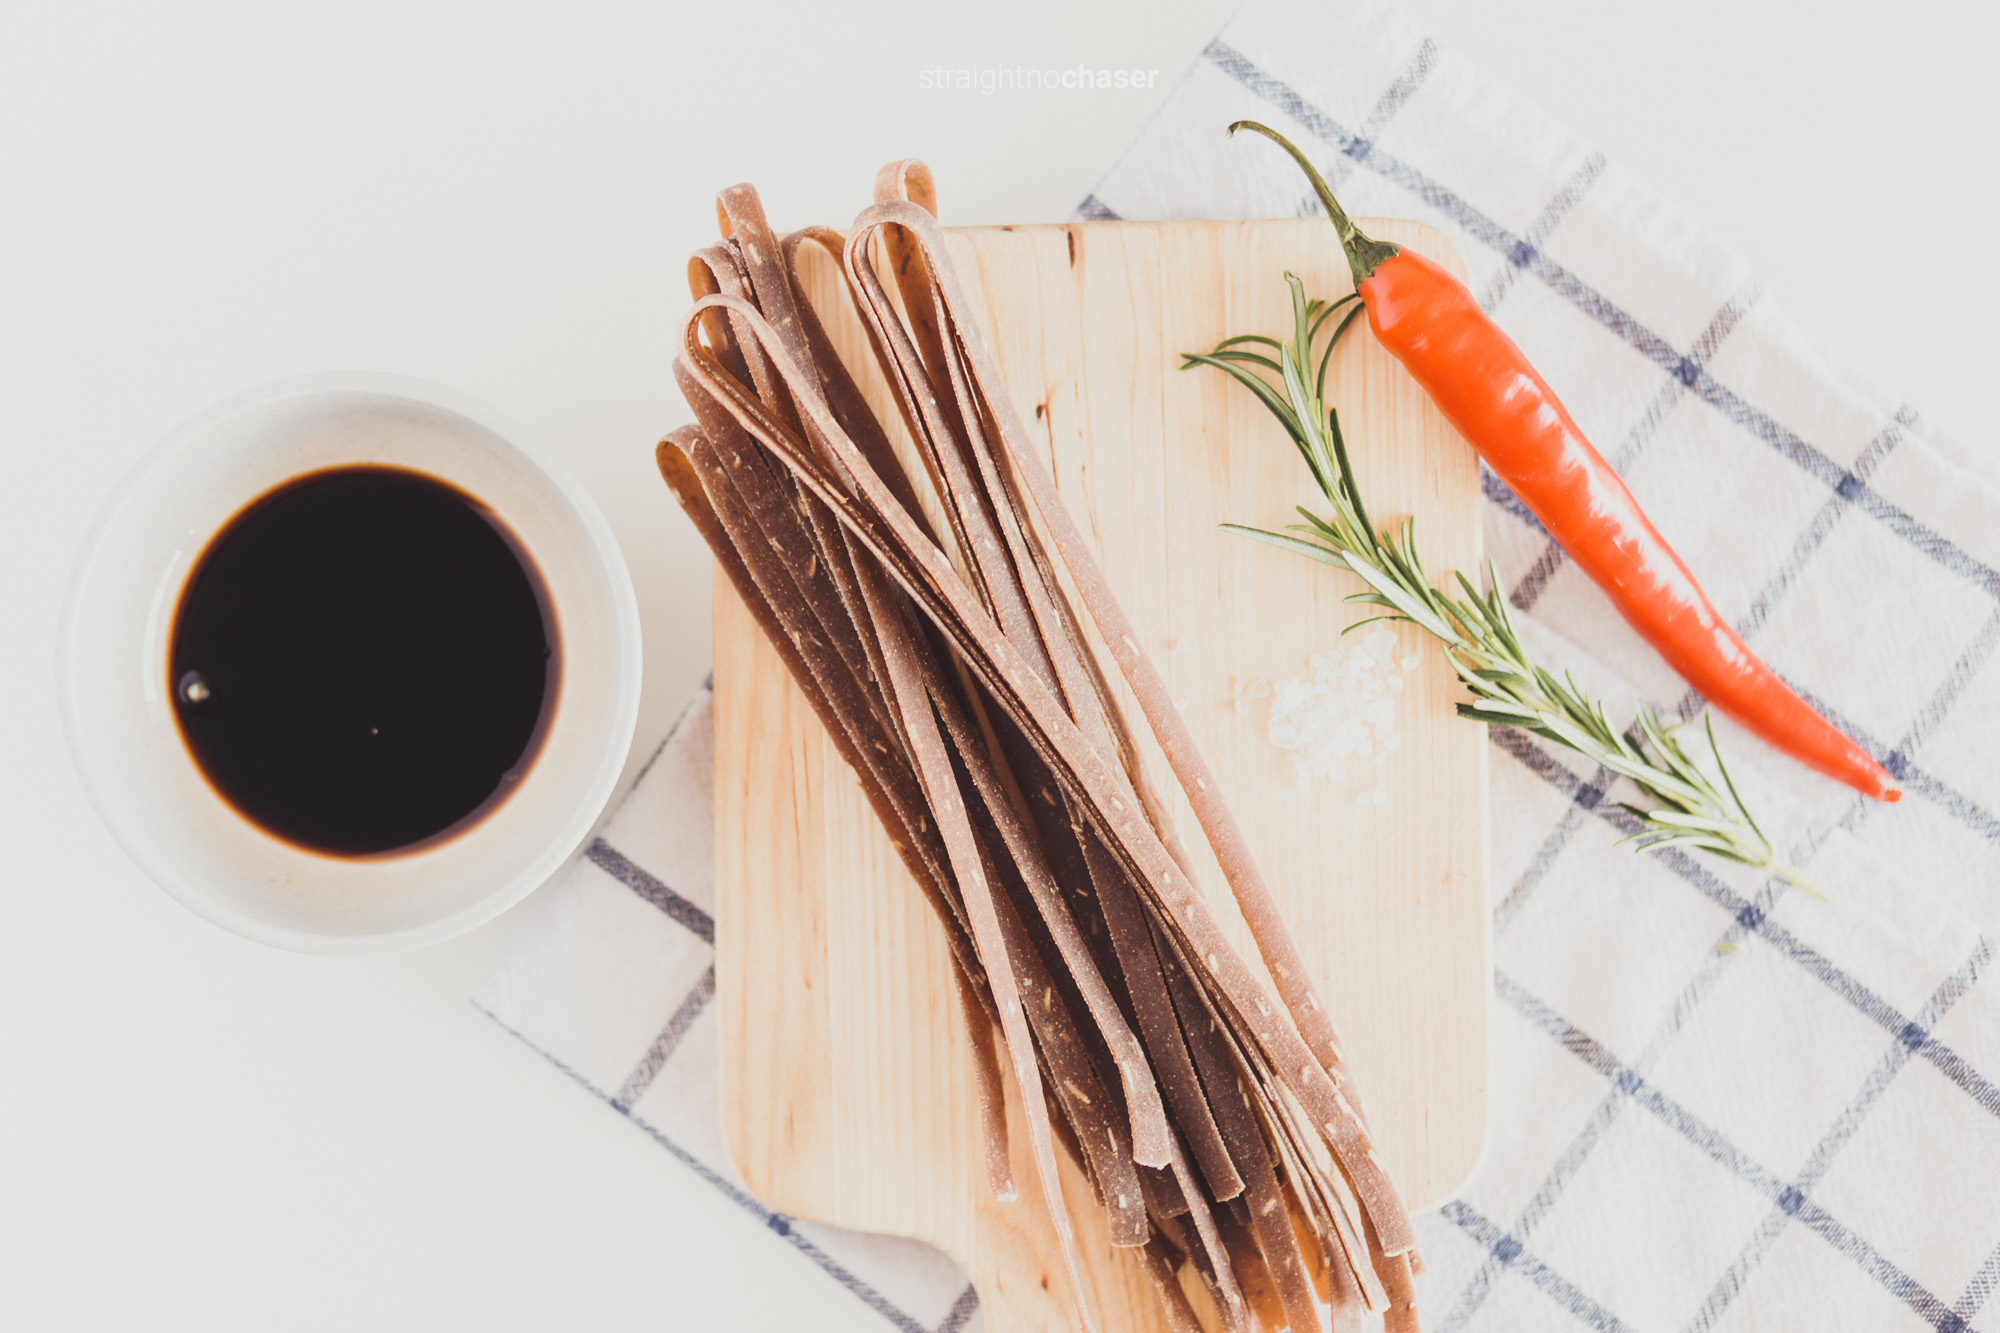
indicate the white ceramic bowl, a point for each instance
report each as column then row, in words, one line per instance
column 120, row 720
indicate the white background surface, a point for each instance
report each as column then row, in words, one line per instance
column 200, row 1133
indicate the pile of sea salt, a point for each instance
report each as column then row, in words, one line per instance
column 1346, row 712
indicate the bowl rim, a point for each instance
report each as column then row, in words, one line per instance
column 592, row 799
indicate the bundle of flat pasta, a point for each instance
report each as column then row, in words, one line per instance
column 948, row 659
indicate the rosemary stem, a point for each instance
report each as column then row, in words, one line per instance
column 1792, row 875
column 1477, row 635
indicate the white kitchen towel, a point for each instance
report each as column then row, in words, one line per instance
column 1716, row 1102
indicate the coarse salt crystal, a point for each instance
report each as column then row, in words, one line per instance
column 1346, row 709
column 1241, row 692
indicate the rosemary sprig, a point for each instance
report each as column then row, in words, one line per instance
column 1476, row 629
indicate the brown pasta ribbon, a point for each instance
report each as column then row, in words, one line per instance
column 1216, row 1123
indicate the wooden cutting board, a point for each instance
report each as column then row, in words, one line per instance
column 847, row 1092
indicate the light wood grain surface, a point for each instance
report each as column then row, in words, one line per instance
column 846, row 1086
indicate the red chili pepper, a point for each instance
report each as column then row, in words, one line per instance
column 1508, row 413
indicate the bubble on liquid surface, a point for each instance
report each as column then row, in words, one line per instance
column 193, row 689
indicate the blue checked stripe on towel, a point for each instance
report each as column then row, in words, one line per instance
column 1716, row 1103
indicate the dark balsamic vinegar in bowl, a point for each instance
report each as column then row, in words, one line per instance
column 364, row 661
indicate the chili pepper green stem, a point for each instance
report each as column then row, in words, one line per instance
column 1364, row 253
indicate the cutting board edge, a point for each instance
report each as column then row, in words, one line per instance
column 1432, row 241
